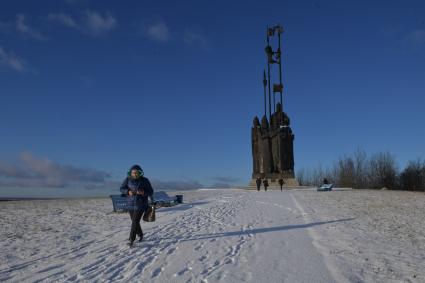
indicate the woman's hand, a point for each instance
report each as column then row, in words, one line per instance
column 142, row 193
column 130, row 192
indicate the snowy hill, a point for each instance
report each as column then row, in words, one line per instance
column 227, row 235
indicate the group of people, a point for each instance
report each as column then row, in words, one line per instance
column 265, row 183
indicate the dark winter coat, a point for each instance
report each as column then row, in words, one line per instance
column 137, row 185
column 258, row 181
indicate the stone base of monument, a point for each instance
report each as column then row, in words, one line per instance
column 290, row 183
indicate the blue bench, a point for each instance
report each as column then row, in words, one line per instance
column 325, row 187
column 120, row 202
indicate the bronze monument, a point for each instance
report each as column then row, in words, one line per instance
column 272, row 138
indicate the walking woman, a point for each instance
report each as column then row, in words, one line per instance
column 137, row 188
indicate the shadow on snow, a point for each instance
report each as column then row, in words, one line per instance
column 251, row 231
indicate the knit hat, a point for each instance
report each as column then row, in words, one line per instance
column 135, row 167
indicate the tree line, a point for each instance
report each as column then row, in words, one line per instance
column 361, row 171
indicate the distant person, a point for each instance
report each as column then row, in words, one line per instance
column 265, row 184
column 137, row 188
column 325, row 181
column 258, row 181
column 281, row 182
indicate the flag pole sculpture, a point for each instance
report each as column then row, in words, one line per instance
column 272, row 138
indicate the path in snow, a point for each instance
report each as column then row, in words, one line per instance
column 216, row 236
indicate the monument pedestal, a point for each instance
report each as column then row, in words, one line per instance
column 273, row 183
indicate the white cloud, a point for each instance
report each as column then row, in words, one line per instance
column 176, row 185
column 98, row 24
column 63, row 19
column 158, row 31
column 225, row 179
column 25, row 29
column 195, row 38
column 33, row 171
column 10, row 60
column 91, row 22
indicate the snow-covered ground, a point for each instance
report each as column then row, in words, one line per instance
column 385, row 242
column 227, row 235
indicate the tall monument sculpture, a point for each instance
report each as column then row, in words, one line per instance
column 272, row 138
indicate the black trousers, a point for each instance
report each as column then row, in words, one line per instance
column 136, row 216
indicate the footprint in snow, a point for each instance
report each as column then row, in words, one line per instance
column 183, row 271
column 229, row 260
column 172, row 250
column 157, row 272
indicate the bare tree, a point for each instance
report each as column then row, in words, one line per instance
column 345, row 172
column 413, row 176
column 382, row 171
column 301, row 177
column 360, row 169
column 314, row 177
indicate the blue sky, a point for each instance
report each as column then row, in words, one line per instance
column 96, row 86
